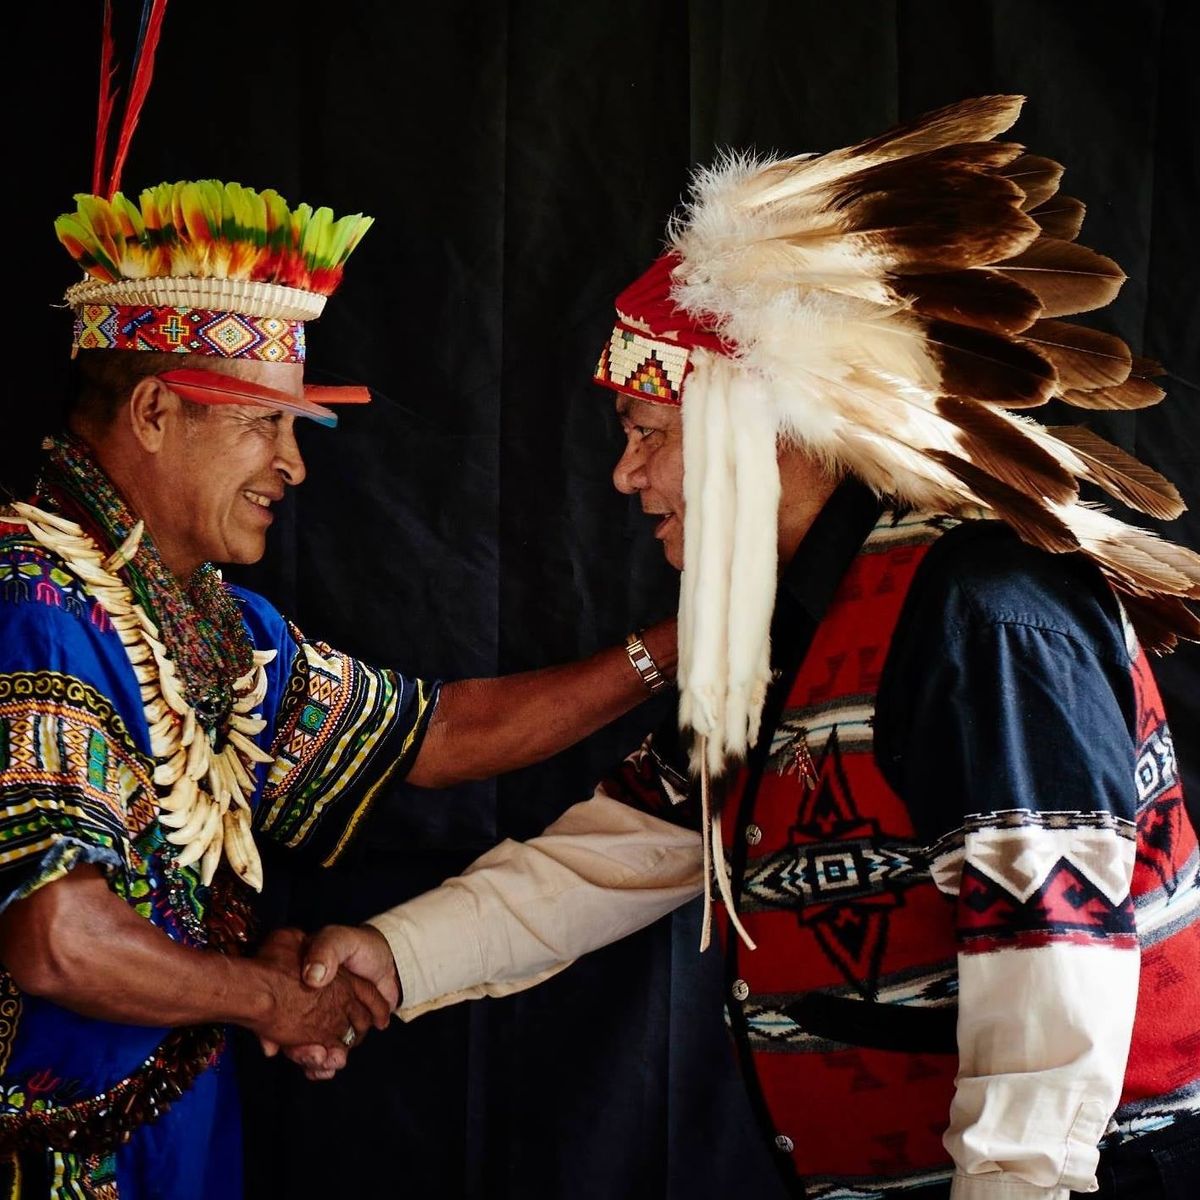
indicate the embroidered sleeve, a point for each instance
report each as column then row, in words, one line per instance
column 72, row 782
column 343, row 729
column 1020, row 747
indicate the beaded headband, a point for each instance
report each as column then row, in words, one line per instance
column 649, row 352
column 203, row 267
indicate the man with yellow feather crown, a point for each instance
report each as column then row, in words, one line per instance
column 154, row 721
column 930, row 771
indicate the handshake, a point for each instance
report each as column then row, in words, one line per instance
column 323, row 993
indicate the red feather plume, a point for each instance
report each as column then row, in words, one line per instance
column 107, row 98
column 143, row 71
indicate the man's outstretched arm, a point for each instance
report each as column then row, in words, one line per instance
column 77, row 944
column 484, row 727
column 517, row 915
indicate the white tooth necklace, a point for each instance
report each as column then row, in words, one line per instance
column 203, row 794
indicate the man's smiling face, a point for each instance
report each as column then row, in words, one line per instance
column 227, row 464
column 651, row 467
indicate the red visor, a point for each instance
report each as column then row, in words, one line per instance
column 211, row 387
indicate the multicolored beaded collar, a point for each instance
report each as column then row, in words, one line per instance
column 201, row 678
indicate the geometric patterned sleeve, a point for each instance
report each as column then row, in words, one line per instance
column 72, row 782
column 342, row 730
column 75, row 781
column 1016, row 745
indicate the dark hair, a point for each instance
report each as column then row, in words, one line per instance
column 102, row 381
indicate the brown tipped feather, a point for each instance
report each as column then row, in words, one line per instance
column 1147, row 367
column 976, row 120
column 1061, row 217
column 983, row 299
column 1135, row 392
column 1036, row 176
column 1121, row 474
column 918, row 249
column 1084, row 358
column 1004, row 450
column 1181, row 560
column 1148, row 565
column 916, row 230
column 985, row 366
column 1160, row 621
column 1066, row 278
column 1031, row 520
column 957, row 165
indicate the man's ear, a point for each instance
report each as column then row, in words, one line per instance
column 152, row 408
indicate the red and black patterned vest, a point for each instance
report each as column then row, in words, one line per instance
column 845, row 1014
column 837, row 895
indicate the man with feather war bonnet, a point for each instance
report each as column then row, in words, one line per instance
column 926, row 759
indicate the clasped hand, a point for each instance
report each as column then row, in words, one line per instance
column 341, row 980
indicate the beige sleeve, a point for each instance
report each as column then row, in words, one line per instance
column 525, row 910
column 1039, row 1076
column 1043, row 1029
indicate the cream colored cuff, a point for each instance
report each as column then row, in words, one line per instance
column 997, row 1185
column 435, row 942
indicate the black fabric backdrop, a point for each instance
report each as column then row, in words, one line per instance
column 521, row 159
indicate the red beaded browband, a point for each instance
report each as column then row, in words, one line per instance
column 174, row 329
column 649, row 353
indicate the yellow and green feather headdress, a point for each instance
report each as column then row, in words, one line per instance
column 197, row 266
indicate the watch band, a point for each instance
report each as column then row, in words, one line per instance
column 644, row 664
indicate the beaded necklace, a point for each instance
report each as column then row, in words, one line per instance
column 204, row 776
column 200, row 624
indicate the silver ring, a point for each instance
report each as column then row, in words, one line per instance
column 349, row 1037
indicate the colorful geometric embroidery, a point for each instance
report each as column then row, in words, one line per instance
column 839, row 870
column 840, row 873
column 29, row 572
column 1157, row 770
column 336, row 716
column 649, row 367
column 1026, row 879
column 1166, row 849
column 781, row 1021
column 68, row 768
column 188, row 331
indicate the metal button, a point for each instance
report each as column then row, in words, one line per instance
column 740, row 989
column 753, row 835
column 784, row 1143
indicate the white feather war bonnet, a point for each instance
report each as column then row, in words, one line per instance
column 887, row 307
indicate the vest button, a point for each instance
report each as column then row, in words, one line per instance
column 740, row 989
column 753, row 835
column 784, row 1143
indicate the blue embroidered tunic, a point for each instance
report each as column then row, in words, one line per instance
column 76, row 787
